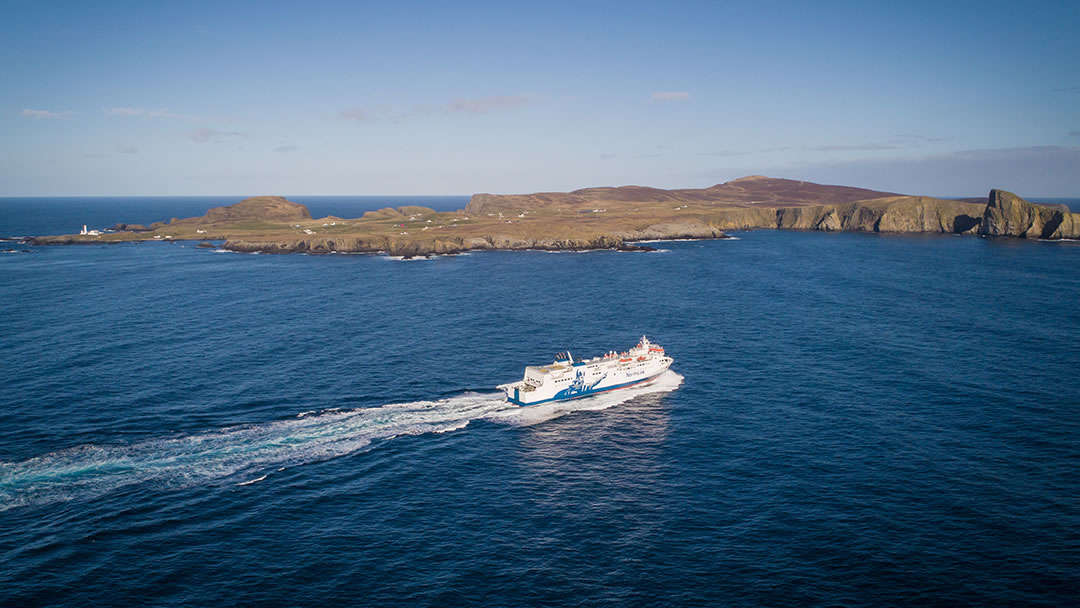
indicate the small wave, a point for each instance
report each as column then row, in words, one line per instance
column 430, row 256
column 90, row 471
column 237, row 252
column 256, row 480
column 704, row 238
column 571, row 250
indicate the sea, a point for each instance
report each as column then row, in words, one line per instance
column 850, row 420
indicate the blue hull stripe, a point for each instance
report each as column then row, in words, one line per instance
column 585, row 394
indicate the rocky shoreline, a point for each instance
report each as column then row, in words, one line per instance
column 414, row 248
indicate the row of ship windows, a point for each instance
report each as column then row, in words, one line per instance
column 642, row 364
column 568, row 378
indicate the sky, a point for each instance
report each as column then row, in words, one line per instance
column 321, row 98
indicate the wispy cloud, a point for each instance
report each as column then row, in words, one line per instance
column 866, row 147
column 477, row 105
column 120, row 149
column 205, row 135
column 724, row 153
column 670, row 96
column 919, row 138
column 896, row 142
column 353, row 114
column 606, row 156
column 409, row 112
column 164, row 113
column 44, row 114
column 483, row 105
column 1022, row 153
column 1033, row 170
column 144, row 112
column 286, row 148
column 385, row 113
column 1074, row 133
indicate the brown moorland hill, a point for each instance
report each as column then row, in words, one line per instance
column 262, row 208
column 756, row 190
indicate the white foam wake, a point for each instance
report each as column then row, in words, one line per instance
column 89, row 471
column 251, row 481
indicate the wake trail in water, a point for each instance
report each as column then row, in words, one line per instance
column 90, row 471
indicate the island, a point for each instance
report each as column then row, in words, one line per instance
column 597, row 218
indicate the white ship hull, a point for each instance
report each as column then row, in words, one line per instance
column 567, row 378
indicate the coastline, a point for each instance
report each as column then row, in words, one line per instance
column 595, row 219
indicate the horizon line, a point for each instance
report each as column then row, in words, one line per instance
column 3, row 196
column 244, row 196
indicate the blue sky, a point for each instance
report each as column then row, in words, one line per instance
column 147, row 98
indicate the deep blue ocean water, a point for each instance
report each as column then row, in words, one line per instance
column 36, row 215
column 853, row 420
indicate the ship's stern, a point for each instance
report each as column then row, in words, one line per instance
column 513, row 392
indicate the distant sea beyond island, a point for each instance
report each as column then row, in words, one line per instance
column 593, row 218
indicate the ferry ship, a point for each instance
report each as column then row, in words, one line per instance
column 569, row 378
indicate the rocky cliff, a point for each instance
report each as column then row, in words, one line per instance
column 1009, row 215
column 1005, row 214
column 893, row 214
